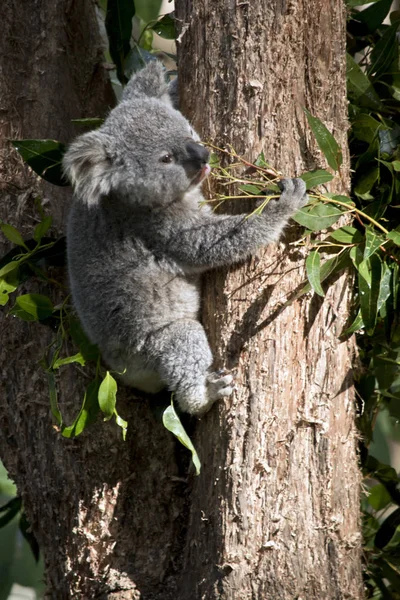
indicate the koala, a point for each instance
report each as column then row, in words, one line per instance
column 138, row 241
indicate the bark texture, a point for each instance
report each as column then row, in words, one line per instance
column 274, row 513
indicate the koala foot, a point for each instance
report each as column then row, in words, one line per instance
column 219, row 385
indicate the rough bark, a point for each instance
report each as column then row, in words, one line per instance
column 274, row 513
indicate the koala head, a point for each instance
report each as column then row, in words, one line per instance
column 145, row 151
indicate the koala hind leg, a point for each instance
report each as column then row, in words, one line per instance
column 182, row 357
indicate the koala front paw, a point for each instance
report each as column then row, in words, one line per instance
column 293, row 193
column 219, row 385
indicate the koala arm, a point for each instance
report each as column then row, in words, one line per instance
column 223, row 240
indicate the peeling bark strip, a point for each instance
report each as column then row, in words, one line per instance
column 276, row 511
column 274, row 514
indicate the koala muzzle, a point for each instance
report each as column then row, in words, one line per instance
column 197, row 154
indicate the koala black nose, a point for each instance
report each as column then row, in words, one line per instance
column 197, row 153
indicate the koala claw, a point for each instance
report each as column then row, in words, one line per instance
column 294, row 192
column 219, row 386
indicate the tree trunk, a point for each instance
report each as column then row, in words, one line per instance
column 274, row 513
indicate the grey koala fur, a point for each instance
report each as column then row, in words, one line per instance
column 138, row 242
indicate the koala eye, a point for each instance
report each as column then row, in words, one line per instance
column 167, row 158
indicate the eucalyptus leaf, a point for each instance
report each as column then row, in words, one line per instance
column 12, row 234
column 394, row 236
column 165, row 27
column 42, row 228
column 379, row 497
column 148, row 10
column 366, row 128
column 76, row 358
column 359, row 87
column 121, row 423
column 374, row 15
column 314, row 178
column 347, row 235
column 44, row 157
column 318, row 216
column 88, row 412
column 384, row 52
column 13, row 265
column 38, row 306
column 172, row 422
column 373, row 241
column 119, row 30
column 108, row 396
column 384, row 286
column 327, row 143
column 313, row 267
column 356, row 325
column 369, row 292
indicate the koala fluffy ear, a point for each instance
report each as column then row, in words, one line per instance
column 149, row 82
column 88, row 167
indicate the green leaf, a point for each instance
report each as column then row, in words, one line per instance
column 38, row 306
column 347, row 235
column 379, row 497
column 374, row 15
column 329, row 267
column 5, row 289
column 352, row 3
column 148, row 10
column 366, row 181
column 251, row 189
column 318, row 216
column 12, row 234
column 394, row 236
column 313, row 267
column 384, row 52
column 11, row 266
column 368, row 288
column 366, row 128
column 314, row 178
column 108, row 396
column 119, row 30
column 76, row 358
column 172, row 422
column 384, row 286
column 88, row 412
column 15, row 311
column 394, row 544
column 42, row 228
column 372, row 242
column 44, row 157
column 10, row 510
column 359, row 87
column 121, row 423
column 356, row 325
column 327, row 143
column 387, row 529
column 165, row 27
